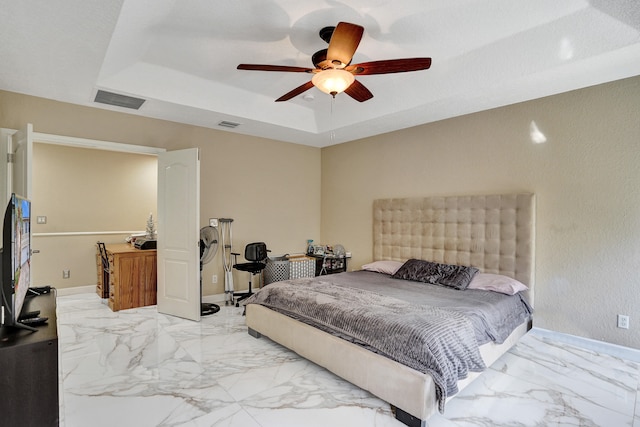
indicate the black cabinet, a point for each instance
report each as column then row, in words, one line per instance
column 29, row 369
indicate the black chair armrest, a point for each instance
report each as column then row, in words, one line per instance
column 235, row 257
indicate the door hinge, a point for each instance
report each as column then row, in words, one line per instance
column 11, row 157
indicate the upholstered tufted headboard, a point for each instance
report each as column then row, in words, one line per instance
column 494, row 233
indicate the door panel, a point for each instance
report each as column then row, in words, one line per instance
column 179, row 291
column 22, row 145
column 18, row 172
column 5, row 170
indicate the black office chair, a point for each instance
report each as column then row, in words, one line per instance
column 256, row 254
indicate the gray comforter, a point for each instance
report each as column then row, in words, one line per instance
column 426, row 327
column 493, row 315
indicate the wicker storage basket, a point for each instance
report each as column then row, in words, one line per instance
column 283, row 268
column 277, row 269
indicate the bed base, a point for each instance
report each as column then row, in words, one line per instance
column 492, row 232
column 407, row 418
column 410, row 392
column 254, row 333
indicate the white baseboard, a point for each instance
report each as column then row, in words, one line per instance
column 622, row 352
column 89, row 289
column 218, row 298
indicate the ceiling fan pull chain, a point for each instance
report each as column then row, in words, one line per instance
column 332, row 135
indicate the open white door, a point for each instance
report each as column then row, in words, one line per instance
column 16, row 156
column 179, row 291
column 22, row 148
column 5, row 170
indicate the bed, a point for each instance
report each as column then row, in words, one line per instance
column 493, row 233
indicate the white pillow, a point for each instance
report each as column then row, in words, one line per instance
column 496, row 283
column 386, row 267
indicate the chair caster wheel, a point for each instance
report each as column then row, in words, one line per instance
column 237, row 304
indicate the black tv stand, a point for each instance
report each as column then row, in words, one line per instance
column 29, row 366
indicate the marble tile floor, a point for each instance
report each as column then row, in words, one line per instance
column 140, row 368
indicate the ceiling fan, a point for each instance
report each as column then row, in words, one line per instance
column 333, row 72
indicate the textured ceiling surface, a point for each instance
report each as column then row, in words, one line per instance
column 181, row 57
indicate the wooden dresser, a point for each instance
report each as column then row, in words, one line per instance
column 132, row 277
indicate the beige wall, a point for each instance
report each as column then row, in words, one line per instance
column 82, row 191
column 586, row 179
column 270, row 188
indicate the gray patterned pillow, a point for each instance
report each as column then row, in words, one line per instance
column 451, row 276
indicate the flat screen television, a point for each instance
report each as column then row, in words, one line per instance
column 16, row 260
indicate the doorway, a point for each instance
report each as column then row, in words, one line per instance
column 80, row 196
column 87, row 184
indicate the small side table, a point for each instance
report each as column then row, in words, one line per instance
column 330, row 264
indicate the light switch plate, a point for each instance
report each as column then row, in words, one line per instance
column 213, row 222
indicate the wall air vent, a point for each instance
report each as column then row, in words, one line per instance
column 226, row 124
column 118, row 100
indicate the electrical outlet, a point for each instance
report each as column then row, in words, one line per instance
column 623, row 321
column 66, row 274
column 214, row 279
column 213, row 222
column 41, row 219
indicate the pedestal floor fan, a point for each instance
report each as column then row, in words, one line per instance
column 208, row 249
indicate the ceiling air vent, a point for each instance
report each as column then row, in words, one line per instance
column 118, row 100
column 226, row 124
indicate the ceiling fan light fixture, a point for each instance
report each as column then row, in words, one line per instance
column 333, row 81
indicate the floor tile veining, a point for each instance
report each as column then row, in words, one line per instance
column 140, row 368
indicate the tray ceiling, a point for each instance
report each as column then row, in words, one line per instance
column 180, row 56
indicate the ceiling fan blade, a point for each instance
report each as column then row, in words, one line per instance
column 286, row 68
column 297, row 91
column 358, row 92
column 390, row 66
column 344, row 42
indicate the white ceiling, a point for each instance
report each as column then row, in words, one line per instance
column 181, row 56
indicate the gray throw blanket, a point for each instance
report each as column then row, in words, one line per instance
column 431, row 340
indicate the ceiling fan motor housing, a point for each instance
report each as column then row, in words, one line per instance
column 326, row 33
column 319, row 57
